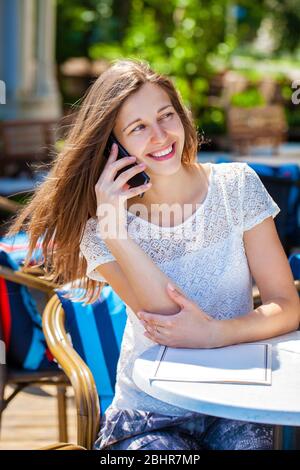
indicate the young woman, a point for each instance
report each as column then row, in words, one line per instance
column 203, row 228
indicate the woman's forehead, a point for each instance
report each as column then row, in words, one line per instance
column 150, row 97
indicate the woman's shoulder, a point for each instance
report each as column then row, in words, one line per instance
column 90, row 225
column 222, row 167
column 229, row 167
column 226, row 172
column 89, row 232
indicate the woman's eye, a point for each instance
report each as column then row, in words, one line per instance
column 167, row 115
column 138, row 128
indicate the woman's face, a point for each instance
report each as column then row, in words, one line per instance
column 149, row 128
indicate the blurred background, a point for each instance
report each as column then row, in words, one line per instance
column 237, row 67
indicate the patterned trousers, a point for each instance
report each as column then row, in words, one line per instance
column 140, row 430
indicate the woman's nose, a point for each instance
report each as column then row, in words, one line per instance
column 158, row 133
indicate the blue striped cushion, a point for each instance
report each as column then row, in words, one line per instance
column 97, row 331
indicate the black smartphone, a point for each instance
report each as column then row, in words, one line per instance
column 137, row 180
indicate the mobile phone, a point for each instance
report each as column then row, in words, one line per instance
column 137, row 180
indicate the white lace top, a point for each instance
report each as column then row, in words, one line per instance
column 204, row 256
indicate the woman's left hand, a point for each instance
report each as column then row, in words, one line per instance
column 189, row 328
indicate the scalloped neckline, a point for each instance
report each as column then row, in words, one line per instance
column 199, row 204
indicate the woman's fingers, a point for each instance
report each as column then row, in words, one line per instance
column 110, row 187
column 137, row 190
column 113, row 153
column 127, row 175
column 126, row 186
column 113, row 167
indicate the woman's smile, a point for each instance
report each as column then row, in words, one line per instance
column 165, row 154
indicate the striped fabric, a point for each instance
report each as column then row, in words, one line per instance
column 17, row 247
column 96, row 331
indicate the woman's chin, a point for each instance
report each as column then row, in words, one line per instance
column 165, row 168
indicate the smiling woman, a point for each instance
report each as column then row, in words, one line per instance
column 88, row 233
column 157, row 141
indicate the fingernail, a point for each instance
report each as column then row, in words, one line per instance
column 170, row 286
column 115, row 146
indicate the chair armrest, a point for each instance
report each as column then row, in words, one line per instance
column 28, row 280
column 62, row 446
column 33, row 270
column 80, row 376
column 8, row 205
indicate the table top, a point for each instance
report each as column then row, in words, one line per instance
column 278, row 403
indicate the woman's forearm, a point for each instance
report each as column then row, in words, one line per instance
column 271, row 319
column 148, row 282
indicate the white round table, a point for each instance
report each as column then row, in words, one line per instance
column 277, row 404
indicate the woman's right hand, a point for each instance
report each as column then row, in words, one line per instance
column 112, row 194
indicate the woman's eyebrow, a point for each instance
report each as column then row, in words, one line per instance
column 139, row 119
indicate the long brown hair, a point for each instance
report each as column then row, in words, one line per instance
column 57, row 212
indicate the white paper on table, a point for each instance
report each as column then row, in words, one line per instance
column 249, row 363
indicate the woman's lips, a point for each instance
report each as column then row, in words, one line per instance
column 164, row 157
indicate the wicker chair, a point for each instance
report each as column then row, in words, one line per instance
column 247, row 127
column 21, row 378
column 80, row 376
column 25, row 142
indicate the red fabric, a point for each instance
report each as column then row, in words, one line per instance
column 49, row 355
column 5, row 312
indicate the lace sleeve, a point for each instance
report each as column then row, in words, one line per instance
column 94, row 250
column 257, row 202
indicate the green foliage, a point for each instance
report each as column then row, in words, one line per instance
column 248, row 98
column 212, row 121
column 293, row 117
column 82, row 23
column 176, row 37
column 186, row 39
